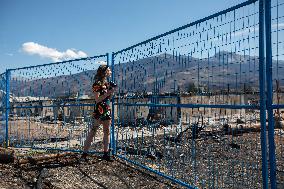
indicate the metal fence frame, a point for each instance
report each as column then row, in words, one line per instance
column 265, row 82
column 6, row 107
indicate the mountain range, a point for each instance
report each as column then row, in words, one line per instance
column 163, row 73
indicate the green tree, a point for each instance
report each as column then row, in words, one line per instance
column 192, row 88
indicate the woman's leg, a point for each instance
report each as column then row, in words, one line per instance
column 91, row 135
column 106, row 125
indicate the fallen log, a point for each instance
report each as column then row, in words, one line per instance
column 47, row 157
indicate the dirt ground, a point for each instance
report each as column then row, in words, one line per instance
column 68, row 171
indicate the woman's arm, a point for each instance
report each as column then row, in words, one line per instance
column 101, row 98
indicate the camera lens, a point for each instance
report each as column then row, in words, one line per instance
column 112, row 85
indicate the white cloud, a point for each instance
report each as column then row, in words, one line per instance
column 9, row 54
column 246, row 31
column 252, row 29
column 280, row 25
column 53, row 54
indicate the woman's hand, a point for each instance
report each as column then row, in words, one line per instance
column 110, row 92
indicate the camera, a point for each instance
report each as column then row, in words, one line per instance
column 112, row 85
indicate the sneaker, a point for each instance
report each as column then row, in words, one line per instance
column 84, row 156
column 107, row 157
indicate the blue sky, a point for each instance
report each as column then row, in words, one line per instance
column 72, row 28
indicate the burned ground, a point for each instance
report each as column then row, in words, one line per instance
column 68, row 171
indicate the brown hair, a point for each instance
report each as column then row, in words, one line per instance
column 101, row 73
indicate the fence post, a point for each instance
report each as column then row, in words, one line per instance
column 113, row 146
column 262, row 96
column 7, row 105
column 267, row 11
column 111, row 139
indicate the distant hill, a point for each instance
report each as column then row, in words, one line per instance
column 167, row 73
column 163, row 73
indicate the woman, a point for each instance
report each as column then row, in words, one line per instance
column 102, row 112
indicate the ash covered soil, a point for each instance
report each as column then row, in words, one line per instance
column 69, row 171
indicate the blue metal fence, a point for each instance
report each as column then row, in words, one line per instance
column 192, row 104
column 210, row 130
column 275, row 77
column 2, row 109
column 50, row 106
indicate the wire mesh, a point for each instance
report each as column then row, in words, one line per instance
column 51, row 105
column 187, row 101
column 277, row 40
column 2, row 108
